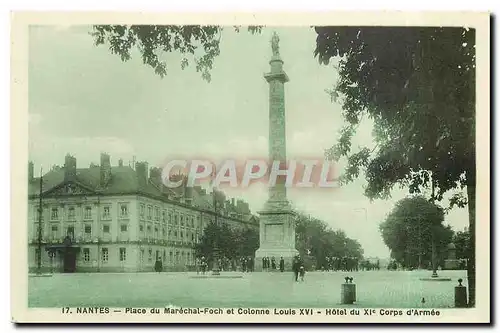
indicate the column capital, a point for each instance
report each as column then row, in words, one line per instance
column 276, row 76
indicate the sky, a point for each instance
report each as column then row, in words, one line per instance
column 83, row 100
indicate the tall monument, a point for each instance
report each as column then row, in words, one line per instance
column 277, row 220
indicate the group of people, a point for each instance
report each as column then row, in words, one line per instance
column 346, row 264
column 246, row 264
column 270, row 264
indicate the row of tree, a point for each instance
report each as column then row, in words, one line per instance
column 411, row 229
column 314, row 241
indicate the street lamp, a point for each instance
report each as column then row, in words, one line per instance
column 215, row 269
column 40, row 212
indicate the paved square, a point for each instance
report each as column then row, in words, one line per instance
column 320, row 289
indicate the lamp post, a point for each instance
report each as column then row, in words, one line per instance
column 433, row 238
column 215, row 269
column 40, row 212
column 98, row 240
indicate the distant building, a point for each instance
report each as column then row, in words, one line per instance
column 118, row 218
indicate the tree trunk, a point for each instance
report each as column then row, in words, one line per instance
column 471, row 263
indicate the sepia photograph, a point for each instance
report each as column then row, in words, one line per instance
column 251, row 170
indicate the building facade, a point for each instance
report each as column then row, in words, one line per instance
column 119, row 218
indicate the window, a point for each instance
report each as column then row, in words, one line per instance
column 142, row 210
column 123, row 210
column 86, row 255
column 88, row 213
column 175, row 219
column 105, row 228
column 123, row 254
column 164, row 232
column 123, row 228
column 171, row 256
column 150, row 252
column 182, row 220
column 55, row 230
column 142, row 255
column 104, row 254
column 175, row 234
column 88, row 229
column 169, row 217
column 157, row 254
column 150, row 212
column 54, row 215
column 156, row 230
column 141, row 228
column 106, row 212
column 157, row 214
column 163, row 216
column 149, row 228
column 181, row 235
column 164, row 255
column 71, row 232
column 192, row 237
column 71, row 213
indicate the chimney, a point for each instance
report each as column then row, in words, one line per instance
column 69, row 168
column 155, row 175
column 105, row 171
column 188, row 194
column 31, row 171
column 141, row 170
column 120, row 162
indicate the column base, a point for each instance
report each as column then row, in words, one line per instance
column 277, row 253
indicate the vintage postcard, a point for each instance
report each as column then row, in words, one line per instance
column 256, row 168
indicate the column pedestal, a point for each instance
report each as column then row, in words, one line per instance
column 277, row 235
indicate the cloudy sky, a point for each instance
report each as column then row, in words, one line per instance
column 84, row 100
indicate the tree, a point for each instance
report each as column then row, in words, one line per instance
column 315, row 239
column 198, row 44
column 230, row 243
column 418, row 86
column 247, row 242
column 408, row 232
column 461, row 239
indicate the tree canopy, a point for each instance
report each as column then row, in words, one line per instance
column 409, row 229
column 230, row 243
column 314, row 238
column 417, row 84
column 198, row 44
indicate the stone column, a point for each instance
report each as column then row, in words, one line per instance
column 277, row 220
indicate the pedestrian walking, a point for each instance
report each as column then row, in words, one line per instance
column 282, row 264
column 158, row 265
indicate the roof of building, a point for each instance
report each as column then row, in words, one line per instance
column 124, row 180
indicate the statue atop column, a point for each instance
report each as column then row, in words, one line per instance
column 275, row 40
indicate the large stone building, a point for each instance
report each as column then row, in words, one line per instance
column 120, row 218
